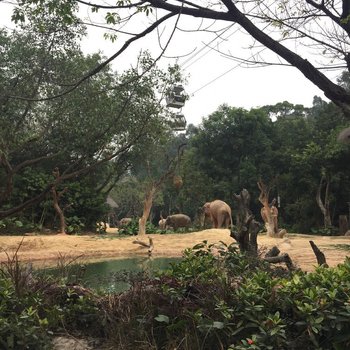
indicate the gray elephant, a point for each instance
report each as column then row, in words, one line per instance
column 124, row 222
column 219, row 212
column 177, row 220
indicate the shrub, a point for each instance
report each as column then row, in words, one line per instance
column 215, row 298
column 22, row 324
column 132, row 228
column 231, row 301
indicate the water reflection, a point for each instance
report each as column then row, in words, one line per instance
column 115, row 275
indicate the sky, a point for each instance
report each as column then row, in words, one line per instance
column 212, row 79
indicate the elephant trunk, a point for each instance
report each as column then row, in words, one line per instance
column 201, row 217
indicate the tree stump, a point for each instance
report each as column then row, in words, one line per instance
column 246, row 230
column 273, row 257
column 269, row 212
column 321, row 259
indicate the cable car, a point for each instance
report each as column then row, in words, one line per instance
column 179, row 123
column 176, row 97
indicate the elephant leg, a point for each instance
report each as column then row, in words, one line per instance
column 227, row 222
column 220, row 221
column 215, row 222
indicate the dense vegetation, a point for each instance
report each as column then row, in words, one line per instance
column 292, row 148
column 70, row 137
column 62, row 152
column 70, row 149
column 207, row 301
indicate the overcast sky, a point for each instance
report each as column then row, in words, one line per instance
column 212, row 78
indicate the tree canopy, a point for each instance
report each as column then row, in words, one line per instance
column 312, row 36
column 96, row 129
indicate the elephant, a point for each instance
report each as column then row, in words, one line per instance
column 124, row 222
column 219, row 213
column 161, row 223
column 177, row 220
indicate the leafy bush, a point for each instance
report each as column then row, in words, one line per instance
column 214, row 298
column 132, row 228
column 22, row 323
column 230, row 301
column 329, row 231
column 74, row 224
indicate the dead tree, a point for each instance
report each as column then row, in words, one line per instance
column 325, row 204
column 321, row 258
column 154, row 187
column 273, row 257
column 269, row 212
column 246, row 230
column 147, row 206
column 150, row 245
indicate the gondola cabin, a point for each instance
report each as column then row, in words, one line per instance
column 176, row 97
column 179, row 123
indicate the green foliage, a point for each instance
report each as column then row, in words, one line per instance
column 214, row 298
column 23, row 324
column 33, row 306
column 74, row 224
column 121, row 123
column 291, row 147
column 212, row 303
column 79, row 312
column 329, row 231
column 132, row 228
column 11, row 225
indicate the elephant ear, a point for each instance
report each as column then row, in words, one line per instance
column 206, row 207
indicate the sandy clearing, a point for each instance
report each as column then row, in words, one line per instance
column 45, row 249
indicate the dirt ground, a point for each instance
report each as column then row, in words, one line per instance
column 44, row 250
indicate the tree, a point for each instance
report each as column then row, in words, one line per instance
column 233, row 148
column 115, row 115
column 322, row 28
column 154, row 183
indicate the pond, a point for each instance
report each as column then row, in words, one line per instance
column 112, row 275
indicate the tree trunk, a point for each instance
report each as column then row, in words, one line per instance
column 147, row 206
column 343, row 224
column 55, row 197
column 269, row 212
column 324, row 205
column 246, row 230
column 59, row 211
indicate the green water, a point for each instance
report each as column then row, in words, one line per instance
column 112, row 275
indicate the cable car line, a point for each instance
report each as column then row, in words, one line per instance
column 206, row 45
column 223, row 74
